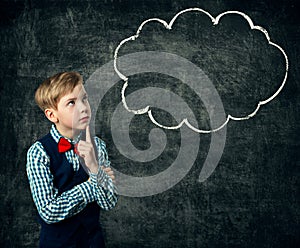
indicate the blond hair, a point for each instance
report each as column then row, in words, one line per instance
column 54, row 88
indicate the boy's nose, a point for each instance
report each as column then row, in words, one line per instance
column 82, row 107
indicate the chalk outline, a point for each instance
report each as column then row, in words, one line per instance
column 215, row 21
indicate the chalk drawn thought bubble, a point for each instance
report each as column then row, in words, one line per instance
column 215, row 21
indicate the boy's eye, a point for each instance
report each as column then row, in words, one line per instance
column 70, row 103
column 85, row 98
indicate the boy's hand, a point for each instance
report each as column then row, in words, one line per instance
column 109, row 172
column 86, row 151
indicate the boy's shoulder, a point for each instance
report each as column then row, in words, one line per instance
column 37, row 146
column 37, row 152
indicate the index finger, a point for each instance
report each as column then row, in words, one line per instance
column 88, row 134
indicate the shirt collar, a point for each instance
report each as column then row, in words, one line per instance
column 56, row 135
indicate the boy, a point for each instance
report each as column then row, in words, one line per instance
column 69, row 180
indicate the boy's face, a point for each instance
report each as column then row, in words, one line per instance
column 73, row 112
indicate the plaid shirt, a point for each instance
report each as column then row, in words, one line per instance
column 53, row 207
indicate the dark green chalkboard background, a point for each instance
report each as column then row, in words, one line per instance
column 252, row 198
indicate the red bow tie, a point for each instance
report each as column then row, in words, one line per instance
column 64, row 145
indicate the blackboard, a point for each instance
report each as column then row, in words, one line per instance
column 252, row 197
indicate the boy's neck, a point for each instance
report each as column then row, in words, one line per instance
column 70, row 134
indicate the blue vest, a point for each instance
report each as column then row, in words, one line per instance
column 65, row 178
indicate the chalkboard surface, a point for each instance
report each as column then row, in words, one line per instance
column 252, row 197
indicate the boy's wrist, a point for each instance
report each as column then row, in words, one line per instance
column 93, row 178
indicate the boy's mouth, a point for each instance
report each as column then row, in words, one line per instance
column 84, row 119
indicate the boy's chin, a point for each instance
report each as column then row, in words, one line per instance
column 80, row 128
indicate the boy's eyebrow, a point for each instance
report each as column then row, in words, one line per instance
column 74, row 98
column 70, row 99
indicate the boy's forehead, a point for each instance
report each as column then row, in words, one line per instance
column 78, row 91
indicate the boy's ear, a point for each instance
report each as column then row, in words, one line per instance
column 50, row 114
